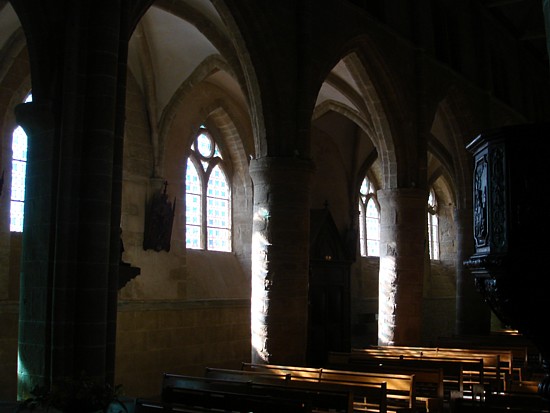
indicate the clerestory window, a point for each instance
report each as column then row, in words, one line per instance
column 433, row 226
column 207, row 196
column 369, row 220
column 18, row 175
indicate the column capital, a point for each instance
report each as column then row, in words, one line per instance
column 35, row 117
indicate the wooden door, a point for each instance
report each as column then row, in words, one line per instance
column 329, row 291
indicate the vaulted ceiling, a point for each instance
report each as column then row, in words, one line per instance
column 525, row 21
column 174, row 37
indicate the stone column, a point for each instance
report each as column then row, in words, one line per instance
column 71, row 240
column 402, row 242
column 546, row 10
column 36, row 293
column 280, row 260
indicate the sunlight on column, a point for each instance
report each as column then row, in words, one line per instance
column 259, row 303
column 23, row 381
column 387, row 301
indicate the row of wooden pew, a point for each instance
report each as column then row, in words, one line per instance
column 275, row 388
column 373, row 391
column 473, row 379
column 376, row 379
column 525, row 353
column 462, row 368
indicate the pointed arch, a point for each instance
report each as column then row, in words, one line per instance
column 234, row 59
column 379, row 113
column 208, row 66
column 353, row 115
column 460, row 127
column 249, row 77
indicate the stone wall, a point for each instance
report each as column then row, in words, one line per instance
column 178, row 337
column 9, row 317
column 438, row 304
column 154, row 337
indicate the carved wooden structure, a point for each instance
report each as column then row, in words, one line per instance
column 511, row 225
column 158, row 222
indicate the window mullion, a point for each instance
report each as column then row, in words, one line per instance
column 204, row 211
column 363, row 223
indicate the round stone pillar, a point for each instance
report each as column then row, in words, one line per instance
column 36, row 294
column 402, row 241
column 280, row 260
column 71, row 236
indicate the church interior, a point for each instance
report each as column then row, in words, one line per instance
column 196, row 184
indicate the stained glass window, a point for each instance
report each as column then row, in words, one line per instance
column 208, row 196
column 18, row 175
column 433, row 226
column 369, row 220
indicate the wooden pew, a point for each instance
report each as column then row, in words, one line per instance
column 475, row 366
column 525, row 386
column 320, row 398
column 312, row 374
column 497, row 364
column 501, row 403
column 366, row 396
column 525, row 352
column 520, row 352
column 156, row 406
column 200, row 392
column 459, row 374
column 400, row 388
column 246, row 375
column 429, row 381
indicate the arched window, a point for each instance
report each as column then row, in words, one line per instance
column 18, row 174
column 207, row 196
column 369, row 220
column 433, row 226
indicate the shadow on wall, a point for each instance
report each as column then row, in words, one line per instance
column 215, row 275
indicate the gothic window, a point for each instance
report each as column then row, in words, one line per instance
column 18, row 173
column 433, row 226
column 207, row 196
column 369, row 220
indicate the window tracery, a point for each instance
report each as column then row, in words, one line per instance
column 208, row 196
column 18, row 176
column 369, row 220
column 433, row 226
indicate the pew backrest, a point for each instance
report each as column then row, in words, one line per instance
column 155, row 406
column 520, row 351
column 252, row 376
column 303, row 373
column 193, row 391
column 400, row 387
column 497, row 364
column 374, row 393
column 454, row 370
column 429, row 379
